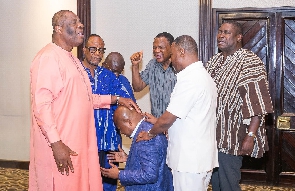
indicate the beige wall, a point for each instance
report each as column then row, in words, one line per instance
column 25, row 29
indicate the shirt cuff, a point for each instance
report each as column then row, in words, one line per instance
column 53, row 135
column 101, row 101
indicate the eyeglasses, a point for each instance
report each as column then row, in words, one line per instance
column 93, row 50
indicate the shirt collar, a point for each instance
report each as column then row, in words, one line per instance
column 235, row 54
column 135, row 129
column 184, row 72
column 160, row 65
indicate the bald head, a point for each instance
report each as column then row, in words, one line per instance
column 115, row 63
column 126, row 119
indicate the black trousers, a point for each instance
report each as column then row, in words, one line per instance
column 228, row 175
column 109, row 184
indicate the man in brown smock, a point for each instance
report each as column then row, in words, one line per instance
column 243, row 101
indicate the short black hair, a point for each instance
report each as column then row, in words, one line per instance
column 187, row 43
column 236, row 25
column 95, row 35
column 167, row 35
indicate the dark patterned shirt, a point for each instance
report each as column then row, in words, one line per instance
column 161, row 84
column 242, row 93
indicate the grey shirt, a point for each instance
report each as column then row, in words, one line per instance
column 161, row 84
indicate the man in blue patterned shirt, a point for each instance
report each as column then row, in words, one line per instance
column 146, row 167
column 103, row 82
column 158, row 74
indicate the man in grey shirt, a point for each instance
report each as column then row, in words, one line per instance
column 158, row 74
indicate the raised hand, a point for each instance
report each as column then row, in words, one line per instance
column 136, row 58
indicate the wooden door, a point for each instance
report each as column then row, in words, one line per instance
column 285, row 108
column 270, row 33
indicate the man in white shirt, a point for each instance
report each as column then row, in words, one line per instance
column 190, row 120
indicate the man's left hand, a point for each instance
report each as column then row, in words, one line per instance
column 129, row 103
column 150, row 118
column 112, row 172
column 247, row 146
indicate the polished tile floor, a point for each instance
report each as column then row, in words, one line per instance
column 17, row 180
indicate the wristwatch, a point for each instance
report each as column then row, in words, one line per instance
column 251, row 134
column 118, row 97
column 150, row 134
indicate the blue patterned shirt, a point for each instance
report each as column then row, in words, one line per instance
column 146, row 167
column 105, row 82
column 126, row 86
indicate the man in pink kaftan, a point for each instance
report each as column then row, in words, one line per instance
column 63, row 137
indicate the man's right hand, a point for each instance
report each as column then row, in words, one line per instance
column 136, row 58
column 62, row 153
column 143, row 136
column 137, row 83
